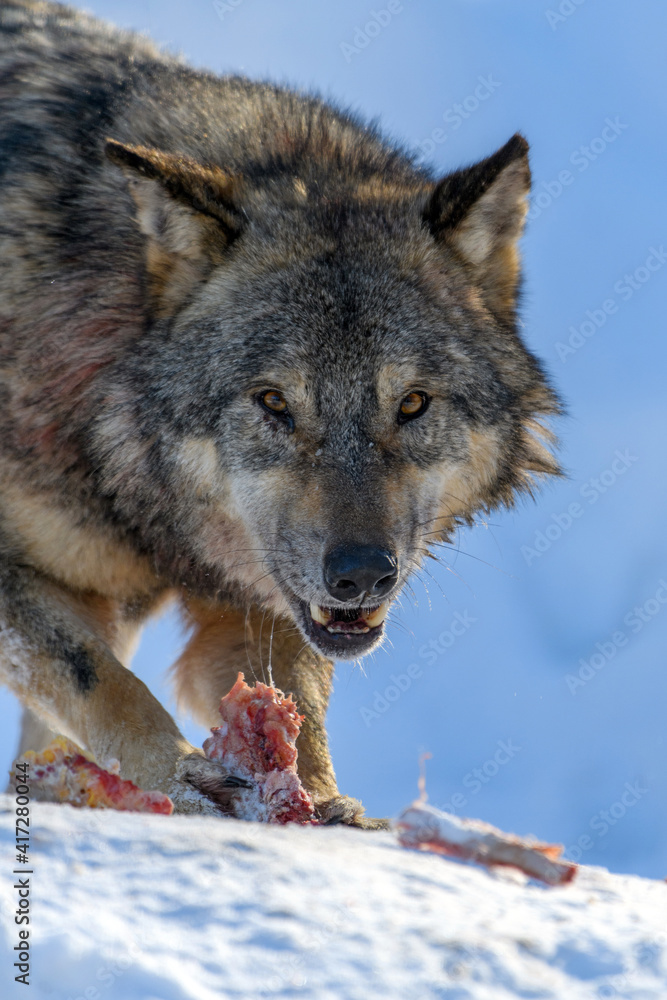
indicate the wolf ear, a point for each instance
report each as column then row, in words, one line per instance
column 189, row 214
column 479, row 212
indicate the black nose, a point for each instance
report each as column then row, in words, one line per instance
column 351, row 571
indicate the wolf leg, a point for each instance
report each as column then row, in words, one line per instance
column 55, row 655
column 226, row 640
column 35, row 734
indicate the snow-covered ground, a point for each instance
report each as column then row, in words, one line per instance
column 130, row 907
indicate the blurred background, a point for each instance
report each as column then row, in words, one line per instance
column 532, row 666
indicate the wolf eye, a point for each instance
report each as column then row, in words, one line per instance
column 274, row 401
column 275, row 405
column 413, row 405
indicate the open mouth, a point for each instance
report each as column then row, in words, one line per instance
column 344, row 633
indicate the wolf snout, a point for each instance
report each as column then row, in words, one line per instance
column 356, row 572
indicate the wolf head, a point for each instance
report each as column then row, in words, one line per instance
column 330, row 382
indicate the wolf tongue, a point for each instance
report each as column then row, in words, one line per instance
column 347, row 627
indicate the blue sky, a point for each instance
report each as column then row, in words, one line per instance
column 545, row 714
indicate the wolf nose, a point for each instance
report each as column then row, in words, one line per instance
column 351, row 571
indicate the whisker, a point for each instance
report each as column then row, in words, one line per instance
column 259, row 644
column 247, row 651
column 240, row 565
column 443, row 517
column 395, row 623
column 449, row 569
column 471, row 555
column 271, row 648
column 253, row 583
column 304, row 646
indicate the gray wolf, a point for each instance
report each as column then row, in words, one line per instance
column 253, row 359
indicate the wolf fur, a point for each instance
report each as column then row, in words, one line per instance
column 174, row 246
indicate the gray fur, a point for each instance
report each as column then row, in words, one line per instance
column 174, row 245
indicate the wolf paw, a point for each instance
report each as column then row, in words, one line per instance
column 343, row 809
column 203, row 786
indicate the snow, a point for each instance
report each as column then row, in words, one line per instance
column 172, row 908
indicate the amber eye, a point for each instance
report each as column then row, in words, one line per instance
column 413, row 405
column 274, row 400
column 276, row 412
